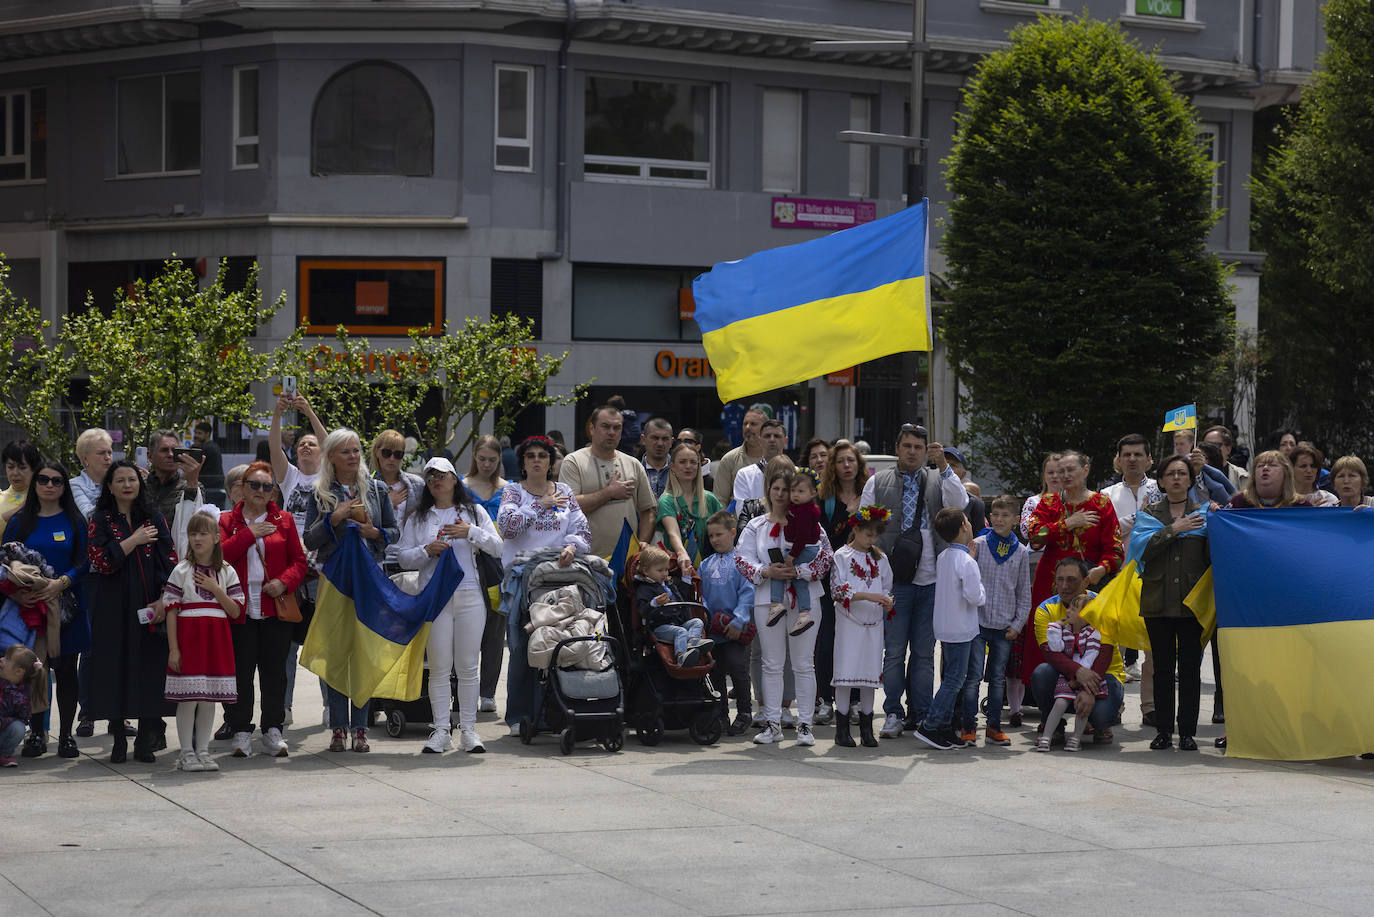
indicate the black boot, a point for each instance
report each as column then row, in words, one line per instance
column 842, row 736
column 120, row 752
column 866, row 731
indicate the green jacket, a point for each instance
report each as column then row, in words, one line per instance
column 1173, row 565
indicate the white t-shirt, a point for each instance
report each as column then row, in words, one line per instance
column 257, row 575
column 296, row 503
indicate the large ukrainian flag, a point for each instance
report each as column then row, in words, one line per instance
column 790, row 314
column 368, row 638
column 1295, row 620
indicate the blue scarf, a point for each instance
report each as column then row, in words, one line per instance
column 1002, row 548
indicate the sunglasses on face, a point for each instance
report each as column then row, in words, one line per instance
column 47, row 481
column 391, row 453
column 259, row 485
column 689, row 441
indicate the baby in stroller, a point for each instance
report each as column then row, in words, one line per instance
column 661, row 608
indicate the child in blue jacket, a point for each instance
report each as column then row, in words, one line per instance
column 730, row 599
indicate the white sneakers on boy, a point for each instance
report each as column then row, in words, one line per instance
column 771, row 735
column 439, row 741
column 892, row 727
column 789, row 719
column 469, row 740
column 273, row 744
column 242, row 744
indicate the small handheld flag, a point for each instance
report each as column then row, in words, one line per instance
column 1184, row 418
column 790, row 314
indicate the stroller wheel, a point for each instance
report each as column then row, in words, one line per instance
column 614, row 742
column 526, row 731
column 565, row 741
column 983, row 705
column 651, row 735
column 705, row 728
column 395, row 724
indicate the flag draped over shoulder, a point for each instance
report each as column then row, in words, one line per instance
column 1116, row 610
column 368, row 638
column 790, row 314
column 1296, row 627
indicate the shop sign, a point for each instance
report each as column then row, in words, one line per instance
column 848, row 376
column 812, row 213
column 669, row 365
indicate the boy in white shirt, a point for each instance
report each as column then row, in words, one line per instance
column 958, row 595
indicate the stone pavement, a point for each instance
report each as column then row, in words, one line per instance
column 679, row 829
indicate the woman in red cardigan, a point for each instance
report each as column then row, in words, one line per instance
column 260, row 542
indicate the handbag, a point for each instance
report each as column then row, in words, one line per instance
column 905, row 555
column 287, row 607
column 490, row 575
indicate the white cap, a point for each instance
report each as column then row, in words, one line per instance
column 439, row 463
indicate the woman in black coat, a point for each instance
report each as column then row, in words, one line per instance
column 131, row 553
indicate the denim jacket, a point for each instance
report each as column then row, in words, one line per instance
column 323, row 538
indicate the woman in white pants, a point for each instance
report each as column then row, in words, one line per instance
column 759, row 563
column 446, row 518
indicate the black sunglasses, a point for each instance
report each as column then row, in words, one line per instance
column 47, row 481
column 689, row 441
column 391, row 453
column 259, row 485
column 917, row 429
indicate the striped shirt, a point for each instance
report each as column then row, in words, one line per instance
column 1007, row 586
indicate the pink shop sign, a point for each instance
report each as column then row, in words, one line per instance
column 810, row 213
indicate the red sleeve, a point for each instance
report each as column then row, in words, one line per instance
column 1062, row 662
column 235, row 545
column 1047, row 522
column 1109, row 539
column 1104, row 659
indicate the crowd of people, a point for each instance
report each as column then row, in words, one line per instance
column 128, row 598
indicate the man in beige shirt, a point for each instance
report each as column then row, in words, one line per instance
column 610, row 486
column 723, row 485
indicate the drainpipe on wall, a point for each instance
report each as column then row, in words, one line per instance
column 561, row 143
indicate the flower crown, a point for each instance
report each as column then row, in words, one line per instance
column 870, row 513
column 811, row 473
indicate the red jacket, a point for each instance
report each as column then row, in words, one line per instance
column 283, row 554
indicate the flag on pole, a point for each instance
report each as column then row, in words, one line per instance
column 790, row 314
column 1184, row 418
column 626, row 547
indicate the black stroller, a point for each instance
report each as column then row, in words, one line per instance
column 400, row 713
column 663, row 695
column 579, row 704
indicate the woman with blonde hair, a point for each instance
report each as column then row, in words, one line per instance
column 484, row 483
column 345, row 492
column 1270, row 486
column 685, row 506
column 1350, row 479
column 404, row 488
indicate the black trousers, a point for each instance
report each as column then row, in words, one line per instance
column 1176, row 643
column 493, row 649
column 260, row 647
column 732, row 659
column 825, row 651
column 1216, row 670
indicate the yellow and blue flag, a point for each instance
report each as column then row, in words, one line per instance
column 1296, row 628
column 1115, row 613
column 626, row 547
column 368, row 638
column 794, row 313
column 1183, row 418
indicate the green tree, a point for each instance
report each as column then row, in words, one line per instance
column 1313, row 200
column 1083, row 304
column 351, row 385
column 486, row 367
column 170, row 352
column 34, row 375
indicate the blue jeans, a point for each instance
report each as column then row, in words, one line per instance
column 342, row 712
column 912, row 627
column 956, row 670
column 778, row 588
column 10, row 737
column 990, row 647
column 681, row 635
column 1043, row 680
column 522, row 681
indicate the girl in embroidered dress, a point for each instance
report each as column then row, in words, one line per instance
column 1078, row 640
column 861, row 584
column 201, row 595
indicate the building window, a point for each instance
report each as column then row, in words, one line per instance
column 245, row 117
column 1183, row 10
column 514, row 119
column 23, row 135
column 620, row 303
column 1209, row 135
column 517, row 288
column 388, row 296
column 159, row 124
column 782, row 134
column 648, row 131
column 860, row 154
column 372, row 119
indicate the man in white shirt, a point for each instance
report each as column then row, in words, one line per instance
column 913, row 494
column 749, row 479
column 1129, row 496
column 611, row 487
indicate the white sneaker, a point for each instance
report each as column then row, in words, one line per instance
column 273, row 744
column 486, row 705
column 439, row 741
column 242, row 744
column 207, row 763
column 1133, row 672
column 286, row 720
column 804, row 736
column 757, row 721
column 188, row 761
column 515, row 729
column 823, row 713
column 771, row 734
column 892, row 727
column 789, row 719
column 468, row 740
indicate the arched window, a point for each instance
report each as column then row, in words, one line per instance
column 372, row 118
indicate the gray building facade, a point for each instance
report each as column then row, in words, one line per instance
column 412, row 161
